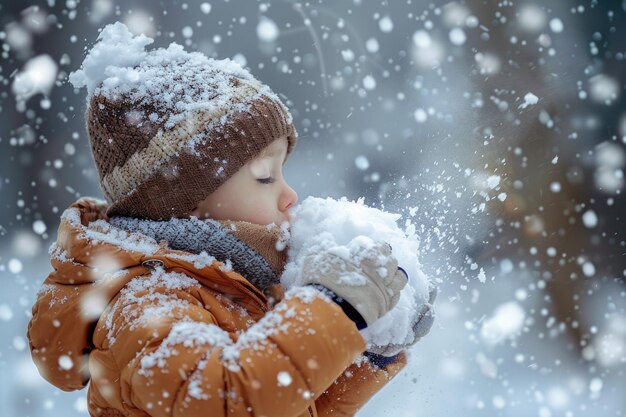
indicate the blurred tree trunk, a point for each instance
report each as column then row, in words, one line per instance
column 548, row 220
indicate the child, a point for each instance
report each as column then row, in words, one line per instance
column 167, row 298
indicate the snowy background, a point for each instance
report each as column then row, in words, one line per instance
column 497, row 127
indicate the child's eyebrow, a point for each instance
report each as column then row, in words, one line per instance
column 277, row 153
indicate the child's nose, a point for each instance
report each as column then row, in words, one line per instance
column 288, row 199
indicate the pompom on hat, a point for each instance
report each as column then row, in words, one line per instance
column 167, row 127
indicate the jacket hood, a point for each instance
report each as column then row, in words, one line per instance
column 92, row 262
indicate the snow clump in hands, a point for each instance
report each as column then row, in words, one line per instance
column 349, row 229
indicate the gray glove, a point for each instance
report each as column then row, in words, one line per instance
column 421, row 327
column 370, row 283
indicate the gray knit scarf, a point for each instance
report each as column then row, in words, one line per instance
column 195, row 235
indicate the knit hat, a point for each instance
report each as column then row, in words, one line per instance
column 168, row 127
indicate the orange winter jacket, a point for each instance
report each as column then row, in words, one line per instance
column 160, row 332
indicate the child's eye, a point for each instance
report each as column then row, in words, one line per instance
column 267, row 180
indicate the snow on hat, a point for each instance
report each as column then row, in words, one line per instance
column 167, row 127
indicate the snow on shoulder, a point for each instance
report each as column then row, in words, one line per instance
column 349, row 228
column 171, row 80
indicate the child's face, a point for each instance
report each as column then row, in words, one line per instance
column 257, row 193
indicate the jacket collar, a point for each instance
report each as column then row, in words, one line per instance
column 89, row 249
column 251, row 249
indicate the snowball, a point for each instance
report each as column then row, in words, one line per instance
column 347, row 229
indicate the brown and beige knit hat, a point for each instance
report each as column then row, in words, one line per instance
column 168, row 127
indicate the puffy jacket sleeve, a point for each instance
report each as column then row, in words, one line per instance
column 356, row 385
column 176, row 361
column 58, row 335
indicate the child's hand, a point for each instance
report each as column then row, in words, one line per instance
column 372, row 287
column 421, row 327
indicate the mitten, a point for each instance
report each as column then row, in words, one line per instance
column 371, row 284
column 421, row 327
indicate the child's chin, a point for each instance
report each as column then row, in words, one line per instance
column 282, row 223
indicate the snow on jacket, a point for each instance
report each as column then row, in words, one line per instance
column 160, row 332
